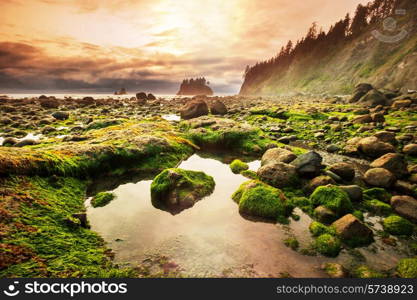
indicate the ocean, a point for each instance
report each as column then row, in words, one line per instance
column 98, row 96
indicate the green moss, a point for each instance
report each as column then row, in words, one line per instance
column 377, row 193
column 328, row 245
column 366, row 272
column 184, row 182
column 55, row 247
column 397, row 225
column 304, row 204
column 102, row 124
column 102, row 199
column 261, row 200
column 333, row 269
column 332, row 197
column 128, row 145
column 237, row 166
column 358, row 214
column 407, row 268
column 233, row 138
column 377, row 206
column 317, row 229
column 250, row 174
column 292, row 243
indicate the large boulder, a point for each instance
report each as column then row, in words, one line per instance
column 86, row 101
column 48, row 103
column 373, row 147
column 141, row 98
column 194, row 109
column 393, row 162
column 343, row 170
column 405, row 206
column 360, row 90
column 174, row 190
column 278, row 174
column 277, row 155
column 218, row 108
column 151, row 97
column 352, row 231
column 308, row 164
column 379, row 177
column 374, row 98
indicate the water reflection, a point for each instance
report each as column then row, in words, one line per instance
column 207, row 240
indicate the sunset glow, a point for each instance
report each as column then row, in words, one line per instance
column 103, row 45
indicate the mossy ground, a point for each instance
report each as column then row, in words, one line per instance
column 407, row 268
column 37, row 241
column 366, row 272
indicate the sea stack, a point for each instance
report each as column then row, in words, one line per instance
column 192, row 87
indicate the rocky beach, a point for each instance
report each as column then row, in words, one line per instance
column 334, row 177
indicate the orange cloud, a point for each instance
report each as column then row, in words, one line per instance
column 89, row 43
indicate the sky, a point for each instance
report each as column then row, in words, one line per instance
column 147, row 45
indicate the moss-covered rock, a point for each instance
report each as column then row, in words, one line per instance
column 407, row 268
column 317, row 229
column 397, row 225
column 261, row 200
column 377, row 207
column 219, row 133
column 332, row 197
column 335, row 270
column 250, row 174
column 102, row 199
column 176, row 189
column 377, row 193
column 237, row 166
column 366, row 272
column 328, row 245
column 147, row 146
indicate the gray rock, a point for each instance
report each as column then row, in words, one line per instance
column 308, row 164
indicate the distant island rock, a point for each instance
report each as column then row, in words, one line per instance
column 122, row 91
column 198, row 86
